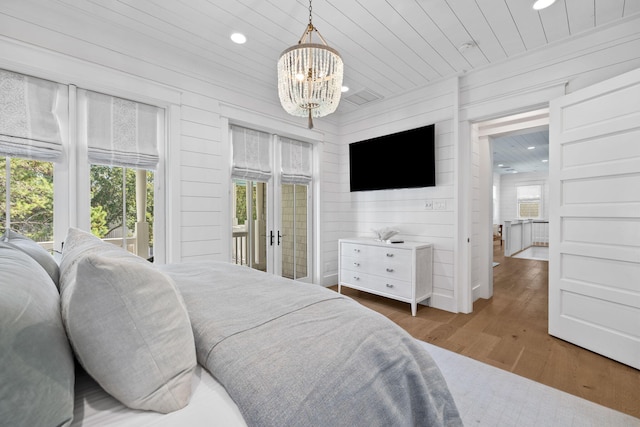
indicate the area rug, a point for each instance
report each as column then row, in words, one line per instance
column 488, row 396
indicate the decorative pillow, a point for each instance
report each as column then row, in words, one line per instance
column 35, row 251
column 36, row 363
column 127, row 324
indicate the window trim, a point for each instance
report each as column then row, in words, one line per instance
column 539, row 200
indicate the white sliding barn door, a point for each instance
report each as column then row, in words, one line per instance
column 594, row 263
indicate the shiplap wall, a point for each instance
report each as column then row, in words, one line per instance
column 203, row 168
column 404, row 209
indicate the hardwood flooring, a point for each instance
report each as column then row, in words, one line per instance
column 509, row 331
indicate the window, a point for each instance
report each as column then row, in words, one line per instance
column 31, row 112
column 122, row 207
column 529, row 201
column 122, row 143
column 104, row 181
column 29, row 196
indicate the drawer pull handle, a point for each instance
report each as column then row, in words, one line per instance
column 389, row 255
column 389, row 270
column 389, row 285
column 357, row 264
column 356, row 278
column 356, row 250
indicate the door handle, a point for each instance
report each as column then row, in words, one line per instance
column 270, row 237
column 280, row 236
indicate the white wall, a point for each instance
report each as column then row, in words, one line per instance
column 496, row 215
column 508, row 196
column 404, row 209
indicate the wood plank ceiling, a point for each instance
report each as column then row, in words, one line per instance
column 389, row 47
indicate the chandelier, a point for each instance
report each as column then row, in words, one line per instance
column 310, row 77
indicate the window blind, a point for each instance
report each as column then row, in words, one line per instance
column 120, row 132
column 30, row 116
column 251, row 154
column 295, row 161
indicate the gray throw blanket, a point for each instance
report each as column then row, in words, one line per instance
column 294, row 354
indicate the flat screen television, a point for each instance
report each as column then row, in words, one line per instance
column 401, row 160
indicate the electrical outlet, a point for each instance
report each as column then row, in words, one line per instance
column 439, row 205
column 428, row 205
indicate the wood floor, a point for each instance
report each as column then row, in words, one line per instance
column 509, row 331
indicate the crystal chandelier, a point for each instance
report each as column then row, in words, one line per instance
column 310, row 77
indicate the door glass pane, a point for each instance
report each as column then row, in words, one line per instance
column 294, row 231
column 259, row 231
column 249, row 243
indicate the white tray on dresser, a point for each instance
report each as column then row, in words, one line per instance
column 402, row 271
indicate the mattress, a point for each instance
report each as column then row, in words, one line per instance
column 209, row 405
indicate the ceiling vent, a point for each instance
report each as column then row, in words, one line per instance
column 362, row 97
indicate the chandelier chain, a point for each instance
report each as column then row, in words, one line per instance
column 310, row 10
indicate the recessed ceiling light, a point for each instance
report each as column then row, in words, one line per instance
column 545, row 161
column 238, row 38
column 514, row 172
column 531, row 148
column 500, row 165
column 541, row 4
column 344, row 89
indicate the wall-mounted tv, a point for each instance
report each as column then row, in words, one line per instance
column 401, row 160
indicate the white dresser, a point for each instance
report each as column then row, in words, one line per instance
column 402, row 271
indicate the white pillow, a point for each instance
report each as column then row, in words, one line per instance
column 35, row 251
column 36, row 362
column 127, row 324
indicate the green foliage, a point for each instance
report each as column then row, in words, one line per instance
column 106, row 199
column 241, row 202
column 99, row 221
column 31, row 198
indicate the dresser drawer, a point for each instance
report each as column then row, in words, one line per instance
column 376, row 284
column 392, row 263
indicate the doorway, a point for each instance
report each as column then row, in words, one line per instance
column 506, row 162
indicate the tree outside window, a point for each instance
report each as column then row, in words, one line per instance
column 30, row 193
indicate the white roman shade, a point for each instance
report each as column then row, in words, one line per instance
column 251, row 154
column 120, row 132
column 30, row 110
column 295, row 161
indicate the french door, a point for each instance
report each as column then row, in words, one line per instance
column 272, row 219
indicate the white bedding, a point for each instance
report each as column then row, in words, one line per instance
column 209, row 405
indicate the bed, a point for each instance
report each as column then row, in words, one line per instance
column 212, row 343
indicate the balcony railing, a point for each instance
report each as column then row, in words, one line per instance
column 239, row 253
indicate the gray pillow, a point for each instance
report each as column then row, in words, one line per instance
column 36, row 362
column 35, row 251
column 127, row 324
